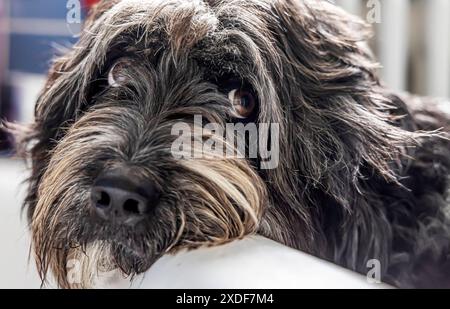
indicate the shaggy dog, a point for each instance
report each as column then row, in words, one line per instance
column 363, row 172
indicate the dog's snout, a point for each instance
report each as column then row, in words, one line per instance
column 121, row 205
column 119, row 198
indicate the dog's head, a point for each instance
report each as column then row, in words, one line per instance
column 108, row 187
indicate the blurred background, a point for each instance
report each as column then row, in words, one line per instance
column 411, row 41
column 31, row 33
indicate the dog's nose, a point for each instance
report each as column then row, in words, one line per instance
column 120, row 198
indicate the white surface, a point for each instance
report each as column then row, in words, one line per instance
column 29, row 86
column 15, row 271
column 252, row 263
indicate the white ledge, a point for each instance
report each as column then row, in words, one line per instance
column 252, row 263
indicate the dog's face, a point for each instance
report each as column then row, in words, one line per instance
column 106, row 188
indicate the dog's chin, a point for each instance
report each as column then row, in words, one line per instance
column 135, row 250
column 131, row 250
column 78, row 252
column 131, row 260
column 86, row 264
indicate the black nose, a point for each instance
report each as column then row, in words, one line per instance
column 119, row 197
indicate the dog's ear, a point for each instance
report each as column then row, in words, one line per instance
column 324, row 43
column 342, row 123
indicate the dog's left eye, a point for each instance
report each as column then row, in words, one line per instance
column 243, row 101
column 118, row 74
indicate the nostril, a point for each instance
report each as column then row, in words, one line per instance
column 131, row 206
column 103, row 200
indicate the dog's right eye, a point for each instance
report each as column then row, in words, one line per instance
column 118, row 74
column 243, row 101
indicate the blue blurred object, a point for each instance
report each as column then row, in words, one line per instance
column 54, row 9
column 33, row 53
column 35, row 28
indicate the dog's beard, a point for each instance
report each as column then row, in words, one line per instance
column 206, row 201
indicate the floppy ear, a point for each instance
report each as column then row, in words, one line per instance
column 324, row 43
column 61, row 101
column 342, row 113
column 341, row 126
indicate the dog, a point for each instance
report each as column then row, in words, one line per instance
column 363, row 172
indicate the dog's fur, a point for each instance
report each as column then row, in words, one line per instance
column 359, row 178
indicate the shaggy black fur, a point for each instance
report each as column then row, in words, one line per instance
column 359, row 179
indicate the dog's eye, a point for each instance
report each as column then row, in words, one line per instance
column 118, row 74
column 243, row 101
